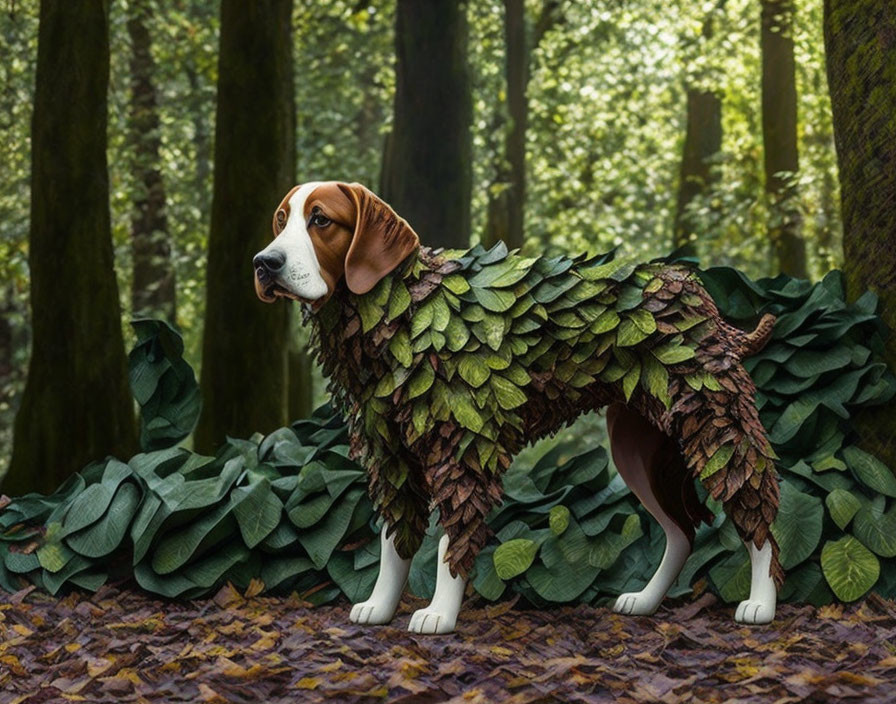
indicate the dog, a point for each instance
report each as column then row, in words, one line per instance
column 446, row 364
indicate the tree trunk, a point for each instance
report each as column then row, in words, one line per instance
column 428, row 166
column 517, row 71
column 860, row 42
column 76, row 406
column 152, row 289
column 505, row 219
column 703, row 140
column 779, row 136
column 244, row 346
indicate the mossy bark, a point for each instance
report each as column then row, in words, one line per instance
column 244, row 379
column 860, row 42
column 76, row 406
column 427, row 170
column 779, row 136
column 152, row 287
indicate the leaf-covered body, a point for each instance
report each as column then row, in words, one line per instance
column 453, row 363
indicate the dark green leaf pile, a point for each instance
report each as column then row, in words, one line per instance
column 291, row 510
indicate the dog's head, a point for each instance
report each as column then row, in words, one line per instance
column 324, row 231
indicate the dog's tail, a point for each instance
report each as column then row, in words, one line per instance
column 753, row 342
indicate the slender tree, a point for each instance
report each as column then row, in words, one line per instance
column 860, row 41
column 779, row 135
column 152, row 289
column 244, row 380
column 507, row 197
column 702, row 141
column 427, row 166
column 76, row 406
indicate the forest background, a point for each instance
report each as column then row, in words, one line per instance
column 555, row 125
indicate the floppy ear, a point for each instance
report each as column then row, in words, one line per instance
column 381, row 241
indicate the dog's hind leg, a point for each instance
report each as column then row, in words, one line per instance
column 641, row 452
column 380, row 607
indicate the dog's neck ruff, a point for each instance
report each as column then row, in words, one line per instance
column 351, row 330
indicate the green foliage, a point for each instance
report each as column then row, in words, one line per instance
column 604, row 137
column 163, row 385
column 291, row 509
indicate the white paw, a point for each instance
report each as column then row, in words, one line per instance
column 755, row 612
column 372, row 613
column 432, row 621
column 636, row 604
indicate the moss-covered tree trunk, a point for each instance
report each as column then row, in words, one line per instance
column 76, row 406
column 152, row 288
column 244, row 347
column 860, row 41
column 779, row 136
column 427, row 169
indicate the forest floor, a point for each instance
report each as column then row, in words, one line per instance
column 120, row 645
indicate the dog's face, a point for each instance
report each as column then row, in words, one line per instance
column 324, row 231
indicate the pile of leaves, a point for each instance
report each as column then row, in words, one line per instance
column 291, row 511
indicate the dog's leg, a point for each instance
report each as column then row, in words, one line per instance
column 383, row 601
column 636, row 446
column 441, row 615
column 760, row 607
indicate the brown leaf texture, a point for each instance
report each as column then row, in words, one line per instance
column 120, row 645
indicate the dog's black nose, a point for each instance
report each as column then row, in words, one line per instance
column 269, row 263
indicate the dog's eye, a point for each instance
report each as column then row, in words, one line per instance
column 319, row 220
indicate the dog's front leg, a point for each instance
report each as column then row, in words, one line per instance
column 383, row 601
column 441, row 615
column 760, row 607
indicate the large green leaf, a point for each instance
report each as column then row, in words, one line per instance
column 842, row 506
column 849, row 567
column 514, row 557
column 321, row 540
column 732, row 576
column 871, row 471
column 798, row 525
column 257, row 510
column 104, row 536
column 876, row 528
column 163, row 384
column 177, row 547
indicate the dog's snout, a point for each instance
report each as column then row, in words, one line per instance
column 269, row 263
